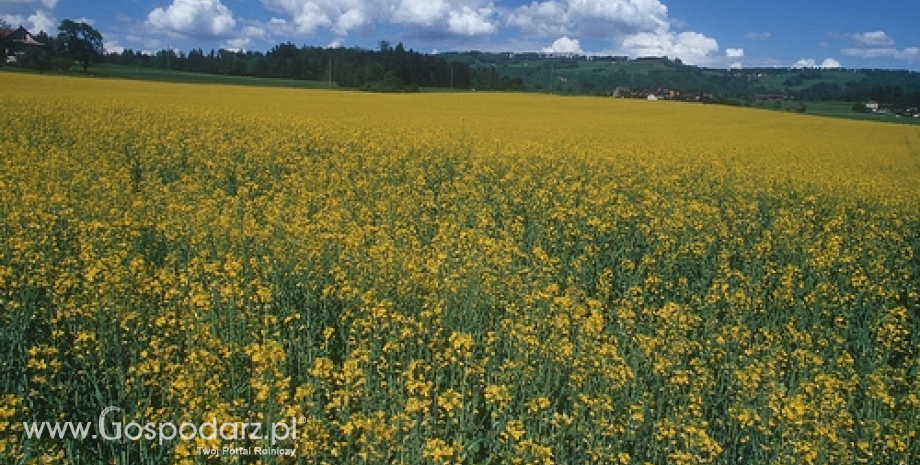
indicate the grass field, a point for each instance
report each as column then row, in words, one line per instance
column 160, row 75
column 845, row 110
column 451, row 279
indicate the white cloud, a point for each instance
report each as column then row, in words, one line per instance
column 599, row 17
column 246, row 39
column 431, row 18
column 425, row 13
column 908, row 54
column 633, row 27
column 34, row 23
column 41, row 21
column 541, row 19
column 193, row 18
column 351, row 20
column 734, row 52
column 877, row 44
column 564, row 45
column 145, row 44
column 593, row 18
column 828, row 63
column 112, row 46
column 691, row 47
column 607, row 19
column 872, row 39
column 13, row 7
column 238, row 44
column 310, row 18
column 469, row 22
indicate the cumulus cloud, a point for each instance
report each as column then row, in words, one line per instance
column 734, row 52
column 542, row 19
column 469, row 22
column 351, row 20
column 34, row 15
column 564, row 45
column 633, row 27
column 872, row 39
column 599, row 17
column 691, row 47
column 195, row 18
column 594, row 18
column 35, row 23
column 22, row 7
column 425, row 13
column 828, row 63
column 428, row 17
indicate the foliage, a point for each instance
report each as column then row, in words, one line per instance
column 386, row 69
column 44, row 58
column 601, row 74
column 455, row 278
column 80, row 42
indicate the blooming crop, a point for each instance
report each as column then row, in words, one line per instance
column 455, row 278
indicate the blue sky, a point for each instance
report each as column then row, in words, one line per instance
column 714, row 33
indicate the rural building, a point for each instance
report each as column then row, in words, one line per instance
column 872, row 106
column 621, row 91
column 15, row 43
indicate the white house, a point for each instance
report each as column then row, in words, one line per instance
column 872, row 106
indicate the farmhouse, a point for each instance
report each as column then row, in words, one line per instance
column 872, row 106
column 621, row 91
column 15, row 42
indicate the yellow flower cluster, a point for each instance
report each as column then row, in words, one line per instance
column 455, row 278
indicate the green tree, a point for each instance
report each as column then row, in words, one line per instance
column 80, row 42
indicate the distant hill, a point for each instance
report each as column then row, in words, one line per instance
column 398, row 69
column 602, row 75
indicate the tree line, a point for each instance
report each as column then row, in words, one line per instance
column 387, row 68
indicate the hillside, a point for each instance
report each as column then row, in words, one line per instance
column 601, row 75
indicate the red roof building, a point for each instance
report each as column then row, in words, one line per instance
column 16, row 42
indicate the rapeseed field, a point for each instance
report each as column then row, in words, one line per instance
column 451, row 279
